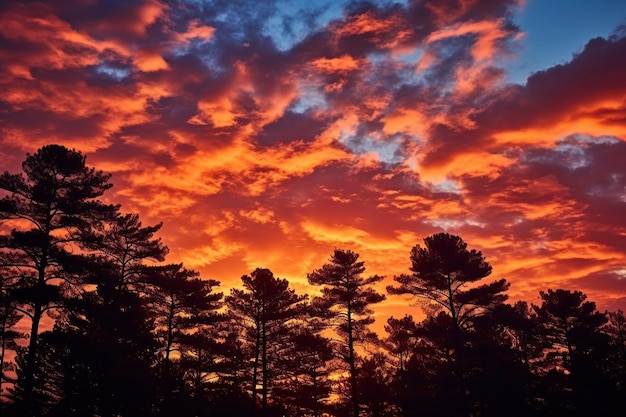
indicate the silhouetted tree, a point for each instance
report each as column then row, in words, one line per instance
column 111, row 317
column 446, row 273
column 429, row 385
column 497, row 380
column 491, row 378
column 401, row 340
column 348, row 297
column 401, row 344
column 267, row 310
column 182, row 304
column 65, row 376
column 9, row 317
column 127, row 245
column 230, row 375
column 306, row 365
column 54, row 197
column 615, row 328
column 203, row 357
column 578, row 350
column 188, row 323
column 518, row 325
column 375, row 378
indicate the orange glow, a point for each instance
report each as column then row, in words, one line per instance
column 475, row 164
column 147, row 60
column 364, row 23
column 270, row 142
column 197, row 30
column 342, row 64
column 548, row 135
column 406, row 120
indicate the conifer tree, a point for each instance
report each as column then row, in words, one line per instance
column 401, row 339
column 186, row 319
column 578, row 348
column 306, row 364
column 347, row 296
column 615, row 328
column 110, row 317
column 55, row 196
column 444, row 272
column 267, row 310
column 9, row 317
column 181, row 303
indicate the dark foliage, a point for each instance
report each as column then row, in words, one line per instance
column 346, row 300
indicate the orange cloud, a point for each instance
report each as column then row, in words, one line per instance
column 51, row 34
column 488, row 34
column 476, row 163
column 387, row 32
column 411, row 121
column 149, row 59
column 548, row 132
column 365, row 23
column 196, row 30
column 341, row 64
column 258, row 215
column 369, row 133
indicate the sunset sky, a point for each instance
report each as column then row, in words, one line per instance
column 266, row 134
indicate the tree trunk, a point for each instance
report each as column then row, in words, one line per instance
column 3, row 349
column 31, row 357
column 255, row 369
column 264, row 364
column 353, row 390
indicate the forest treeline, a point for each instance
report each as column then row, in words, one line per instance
column 135, row 336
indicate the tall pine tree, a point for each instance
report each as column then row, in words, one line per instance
column 55, row 196
column 268, row 311
column 347, row 296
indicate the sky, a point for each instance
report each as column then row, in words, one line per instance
column 267, row 134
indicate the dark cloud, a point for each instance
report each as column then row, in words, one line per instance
column 291, row 126
column 593, row 76
column 599, row 284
